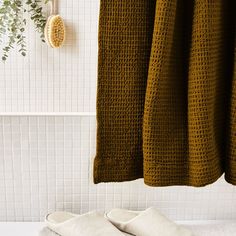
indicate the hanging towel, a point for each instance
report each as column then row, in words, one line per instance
column 166, row 102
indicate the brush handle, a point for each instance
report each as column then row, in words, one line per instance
column 53, row 5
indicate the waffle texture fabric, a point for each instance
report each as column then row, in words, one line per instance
column 166, row 102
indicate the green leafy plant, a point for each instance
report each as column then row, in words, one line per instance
column 13, row 22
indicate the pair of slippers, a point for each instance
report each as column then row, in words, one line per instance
column 117, row 222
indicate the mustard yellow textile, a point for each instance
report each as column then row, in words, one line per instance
column 166, row 103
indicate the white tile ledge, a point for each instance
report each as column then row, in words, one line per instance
column 48, row 114
column 20, row 228
column 33, row 228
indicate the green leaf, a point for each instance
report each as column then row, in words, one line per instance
column 13, row 21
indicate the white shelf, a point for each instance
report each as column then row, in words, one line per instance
column 20, row 228
column 33, row 228
column 48, row 114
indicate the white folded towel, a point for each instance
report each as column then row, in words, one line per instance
column 145, row 223
column 47, row 232
column 90, row 224
column 214, row 229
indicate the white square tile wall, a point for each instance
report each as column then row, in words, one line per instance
column 55, row 80
column 46, row 165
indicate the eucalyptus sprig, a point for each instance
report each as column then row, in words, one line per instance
column 36, row 12
column 13, row 22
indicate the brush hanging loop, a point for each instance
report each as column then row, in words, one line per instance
column 53, row 6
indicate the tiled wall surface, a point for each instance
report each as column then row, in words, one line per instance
column 46, row 165
column 55, row 80
column 46, row 161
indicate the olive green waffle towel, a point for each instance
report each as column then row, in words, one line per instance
column 166, row 102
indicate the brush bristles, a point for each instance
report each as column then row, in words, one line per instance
column 56, row 31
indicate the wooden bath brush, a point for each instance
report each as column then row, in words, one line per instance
column 54, row 30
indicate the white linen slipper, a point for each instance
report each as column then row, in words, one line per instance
column 90, row 224
column 145, row 223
